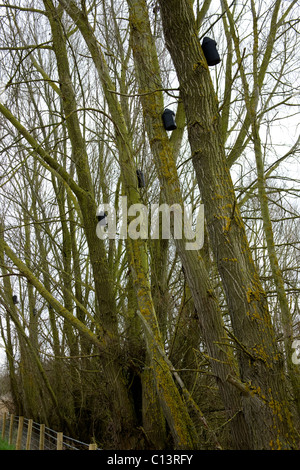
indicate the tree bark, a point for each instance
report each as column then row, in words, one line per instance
column 260, row 363
column 206, row 304
column 172, row 404
column 122, row 413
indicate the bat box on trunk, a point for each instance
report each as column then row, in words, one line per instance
column 141, row 179
column 102, row 218
column 168, row 117
column 210, row 51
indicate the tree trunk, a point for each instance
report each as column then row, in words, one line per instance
column 122, row 413
column 260, row 363
column 206, row 304
column 174, row 408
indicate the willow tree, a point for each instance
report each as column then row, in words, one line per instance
column 173, row 406
column 139, row 343
column 164, row 156
column 252, row 98
column 271, row 426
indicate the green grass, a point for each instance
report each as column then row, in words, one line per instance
column 5, row 445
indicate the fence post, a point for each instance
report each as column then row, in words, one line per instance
column 11, row 428
column 59, row 441
column 29, row 433
column 3, row 425
column 42, row 437
column 20, row 432
column 93, row 446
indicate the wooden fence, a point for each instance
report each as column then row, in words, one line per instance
column 25, row 434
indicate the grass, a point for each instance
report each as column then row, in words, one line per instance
column 4, row 445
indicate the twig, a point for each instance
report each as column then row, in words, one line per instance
column 218, row 19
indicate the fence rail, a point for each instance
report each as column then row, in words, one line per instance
column 25, row 434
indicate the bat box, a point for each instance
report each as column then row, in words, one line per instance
column 141, row 179
column 169, row 120
column 102, row 218
column 210, row 51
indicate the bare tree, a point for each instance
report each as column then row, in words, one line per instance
column 141, row 343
